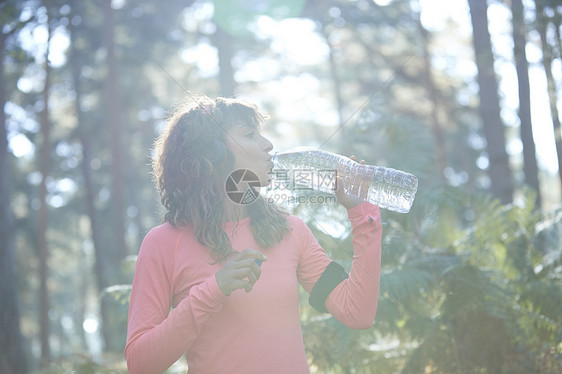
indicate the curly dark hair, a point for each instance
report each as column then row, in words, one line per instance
column 188, row 176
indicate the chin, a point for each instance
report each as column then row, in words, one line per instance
column 265, row 179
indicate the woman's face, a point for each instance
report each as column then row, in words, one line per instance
column 251, row 151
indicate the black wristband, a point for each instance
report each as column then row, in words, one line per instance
column 330, row 278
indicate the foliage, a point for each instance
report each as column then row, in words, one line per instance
column 481, row 303
column 83, row 364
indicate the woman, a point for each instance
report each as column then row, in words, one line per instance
column 219, row 279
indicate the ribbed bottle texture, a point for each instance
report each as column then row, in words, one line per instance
column 388, row 188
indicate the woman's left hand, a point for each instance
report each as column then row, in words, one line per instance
column 347, row 201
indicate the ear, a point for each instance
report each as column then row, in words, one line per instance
column 216, row 152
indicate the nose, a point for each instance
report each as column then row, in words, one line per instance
column 267, row 145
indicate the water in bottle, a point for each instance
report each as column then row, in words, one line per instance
column 388, row 188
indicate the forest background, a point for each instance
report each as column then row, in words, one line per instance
column 464, row 94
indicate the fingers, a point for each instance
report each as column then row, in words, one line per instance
column 344, row 199
column 236, row 284
column 244, row 278
column 241, row 272
column 340, row 190
column 246, row 273
column 247, row 263
column 355, row 159
column 339, row 183
column 250, row 254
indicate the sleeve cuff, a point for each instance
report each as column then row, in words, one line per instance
column 365, row 213
column 363, row 210
column 214, row 291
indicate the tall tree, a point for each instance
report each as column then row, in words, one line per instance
column 115, row 123
column 101, row 266
column 336, row 81
column 530, row 167
column 542, row 27
column 557, row 22
column 433, row 96
column 12, row 358
column 224, row 43
column 44, row 166
column 499, row 170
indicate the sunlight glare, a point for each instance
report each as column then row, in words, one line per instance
column 436, row 14
column 296, row 39
column 20, row 146
column 58, row 48
column 90, row 325
column 204, row 56
column 40, row 34
column 304, row 102
column 382, row 2
column 25, row 85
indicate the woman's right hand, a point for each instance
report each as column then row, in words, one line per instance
column 240, row 272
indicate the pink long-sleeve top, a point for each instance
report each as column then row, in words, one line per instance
column 177, row 307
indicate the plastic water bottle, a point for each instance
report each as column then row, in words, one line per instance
column 388, row 188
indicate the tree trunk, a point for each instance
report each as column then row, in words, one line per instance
column 101, row 266
column 432, row 91
column 542, row 24
column 12, row 358
column 499, row 169
column 530, row 167
column 556, row 20
column 224, row 43
column 116, row 131
column 337, row 88
column 44, row 165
